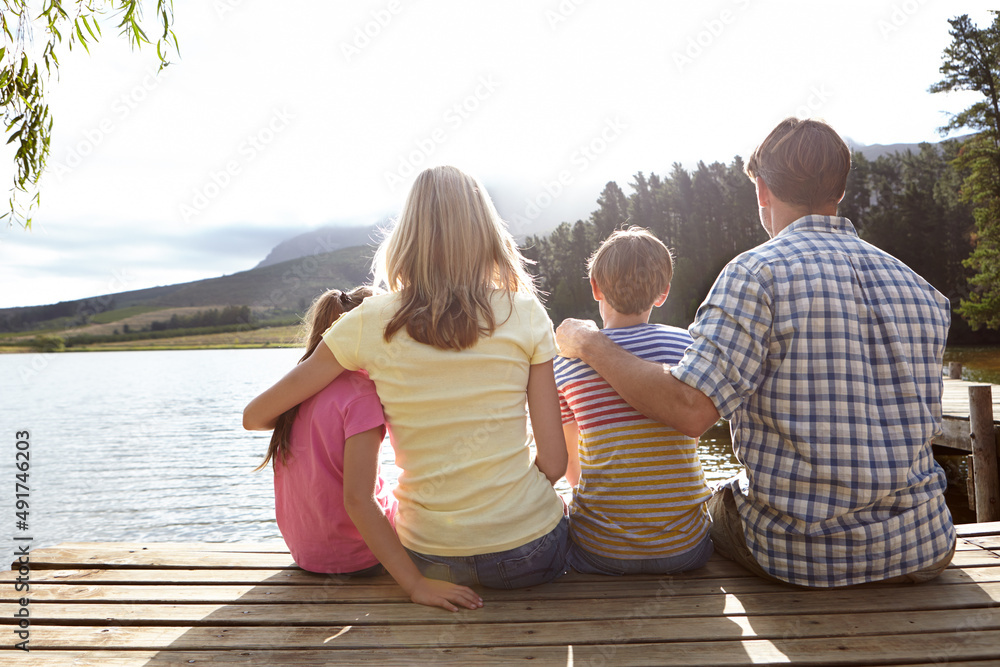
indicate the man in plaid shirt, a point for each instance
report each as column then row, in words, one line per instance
column 824, row 353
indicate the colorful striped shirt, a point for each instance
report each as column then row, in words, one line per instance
column 825, row 355
column 642, row 490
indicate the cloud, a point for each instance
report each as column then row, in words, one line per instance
column 65, row 261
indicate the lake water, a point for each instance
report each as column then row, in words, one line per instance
column 979, row 364
column 148, row 446
column 141, row 446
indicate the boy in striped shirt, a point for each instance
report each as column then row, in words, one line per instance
column 639, row 491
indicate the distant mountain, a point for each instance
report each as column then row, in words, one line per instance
column 874, row 151
column 285, row 286
column 322, row 240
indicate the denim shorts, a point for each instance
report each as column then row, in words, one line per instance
column 591, row 563
column 537, row 562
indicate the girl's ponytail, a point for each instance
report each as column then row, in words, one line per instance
column 324, row 311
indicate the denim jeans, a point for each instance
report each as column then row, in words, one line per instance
column 591, row 563
column 537, row 562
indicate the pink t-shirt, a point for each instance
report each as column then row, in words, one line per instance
column 309, row 489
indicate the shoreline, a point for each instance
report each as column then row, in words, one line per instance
column 153, row 348
column 266, row 337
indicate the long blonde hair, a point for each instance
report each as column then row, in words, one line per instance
column 446, row 255
column 324, row 311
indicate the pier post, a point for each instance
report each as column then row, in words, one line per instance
column 984, row 453
column 955, row 370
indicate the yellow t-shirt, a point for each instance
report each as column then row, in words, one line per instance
column 458, row 423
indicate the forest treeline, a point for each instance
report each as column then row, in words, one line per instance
column 205, row 318
column 908, row 204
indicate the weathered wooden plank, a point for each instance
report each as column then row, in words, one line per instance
column 991, row 542
column 262, row 594
column 185, row 565
column 264, row 546
column 978, row 529
column 715, row 568
column 640, row 630
column 608, row 587
column 887, row 649
column 654, row 604
column 142, row 658
column 291, row 576
column 183, row 594
column 974, row 559
column 109, row 554
column 962, row 544
column 954, row 434
column 296, row 577
column 955, row 397
column 130, row 577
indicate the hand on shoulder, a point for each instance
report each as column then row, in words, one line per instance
column 572, row 334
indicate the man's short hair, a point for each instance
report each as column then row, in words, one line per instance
column 632, row 268
column 802, row 162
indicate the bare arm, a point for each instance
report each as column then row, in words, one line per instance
column 571, row 431
column 300, row 383
column 546, row 421
column 360, row 474
column 645, row 385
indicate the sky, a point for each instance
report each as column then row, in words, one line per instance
column 278, row 118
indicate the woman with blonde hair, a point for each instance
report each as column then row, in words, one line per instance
column 455, row 349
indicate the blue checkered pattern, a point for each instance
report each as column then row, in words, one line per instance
column 825, row 354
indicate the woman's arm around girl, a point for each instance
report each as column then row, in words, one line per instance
column 360, row 473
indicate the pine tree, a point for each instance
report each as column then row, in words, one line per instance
column 612, row 211
column 972, row 62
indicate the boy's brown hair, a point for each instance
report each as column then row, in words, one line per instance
column 803, row 162
column 632, row 268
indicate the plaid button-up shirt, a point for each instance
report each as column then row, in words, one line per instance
column 825, row 354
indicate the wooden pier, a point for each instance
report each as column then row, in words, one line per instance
column 118, row 604
column 971, row 424
column 113, row 604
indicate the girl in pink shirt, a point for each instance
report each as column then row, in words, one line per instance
column 307, row 451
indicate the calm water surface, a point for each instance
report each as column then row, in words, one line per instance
column 979, row 364
column 133, row 446
column 148, row 446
